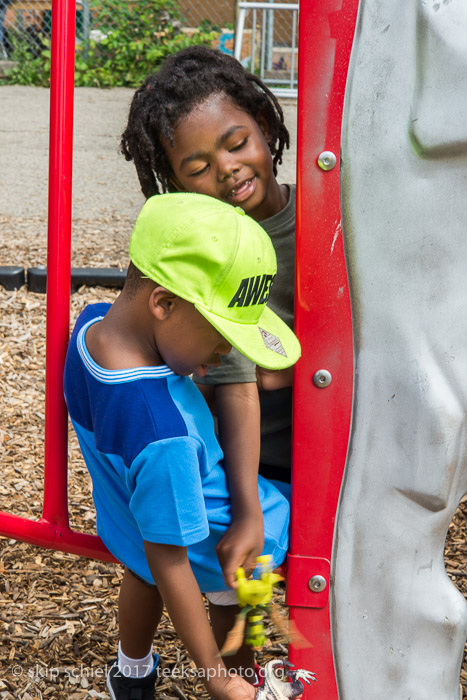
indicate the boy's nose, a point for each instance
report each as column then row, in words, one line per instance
column 225, row 347
column 227, row 167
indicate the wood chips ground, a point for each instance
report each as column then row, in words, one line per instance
column 58, row 623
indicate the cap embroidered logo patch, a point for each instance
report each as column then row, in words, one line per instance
column 272, row 342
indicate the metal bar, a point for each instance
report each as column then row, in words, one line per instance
column 269, row 21
column 268, row 6
column 283, row 92
column 59, row 253
column 253, row 42
column 52, row 530
column 42, row 533
column 292, row 58
column 264, row 41
column 323, row 322
column 239, row 33
column 86, row 27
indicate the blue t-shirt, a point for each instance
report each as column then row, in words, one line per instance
column 147, row 437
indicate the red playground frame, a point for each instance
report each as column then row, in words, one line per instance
column 52, row 530
column 324, row 374
column 323, row 381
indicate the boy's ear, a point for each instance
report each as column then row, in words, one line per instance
column 162, row 303
column 264, row 125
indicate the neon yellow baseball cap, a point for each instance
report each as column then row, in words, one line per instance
column 215, row 256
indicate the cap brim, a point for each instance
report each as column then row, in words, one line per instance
column 270, row 343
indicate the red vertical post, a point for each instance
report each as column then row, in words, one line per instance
column 53, row 530
column 324, row 375
column 59, row 257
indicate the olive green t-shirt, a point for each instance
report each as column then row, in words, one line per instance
column 276, row 406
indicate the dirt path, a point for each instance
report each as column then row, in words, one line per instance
column 106, row 194
column 104, row 184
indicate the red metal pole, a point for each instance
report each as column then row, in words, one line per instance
column 42, row 533
column 53, row 530
column 59, row 257
column 322, row 410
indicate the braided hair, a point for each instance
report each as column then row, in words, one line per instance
column 185, row 80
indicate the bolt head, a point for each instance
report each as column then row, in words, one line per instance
column 327, row 160
column 317, row 583
column 322, row 378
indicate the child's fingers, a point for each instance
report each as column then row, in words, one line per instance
column 249, row 565
column 238, row 548
column 229, row 569
column 229, row 578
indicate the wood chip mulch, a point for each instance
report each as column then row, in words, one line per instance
column 58, row 612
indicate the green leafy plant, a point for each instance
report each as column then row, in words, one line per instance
column 128, row 40
column 31, row 60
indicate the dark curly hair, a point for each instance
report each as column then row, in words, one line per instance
column 183, row 81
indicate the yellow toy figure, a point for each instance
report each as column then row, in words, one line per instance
column 255, row 599
column 254, row 596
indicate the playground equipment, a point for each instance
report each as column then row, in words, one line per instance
column 53, row 530
column 381, row 387
column 403, row 194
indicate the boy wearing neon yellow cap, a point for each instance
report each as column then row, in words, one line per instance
column 198, row 283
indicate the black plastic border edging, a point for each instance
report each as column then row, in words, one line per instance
column 12, row 277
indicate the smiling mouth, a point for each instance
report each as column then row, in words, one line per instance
column 242, row 189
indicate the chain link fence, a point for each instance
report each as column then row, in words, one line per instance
column 25, row 26
column 266, row 42
column 30, row 21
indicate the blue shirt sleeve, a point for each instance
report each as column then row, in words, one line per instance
column 166, row 492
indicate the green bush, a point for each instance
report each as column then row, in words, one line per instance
column 30, row 60
column 130, row 41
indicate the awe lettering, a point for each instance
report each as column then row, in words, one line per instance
column 253, row 290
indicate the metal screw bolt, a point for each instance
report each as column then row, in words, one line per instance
column 322, row 378
column 316, row 584
column 327, row 160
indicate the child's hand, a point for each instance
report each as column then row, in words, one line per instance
column 236, row 688
column 269, row 379
column 241, row 544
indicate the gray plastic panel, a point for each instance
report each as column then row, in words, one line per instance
column 399, row 623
